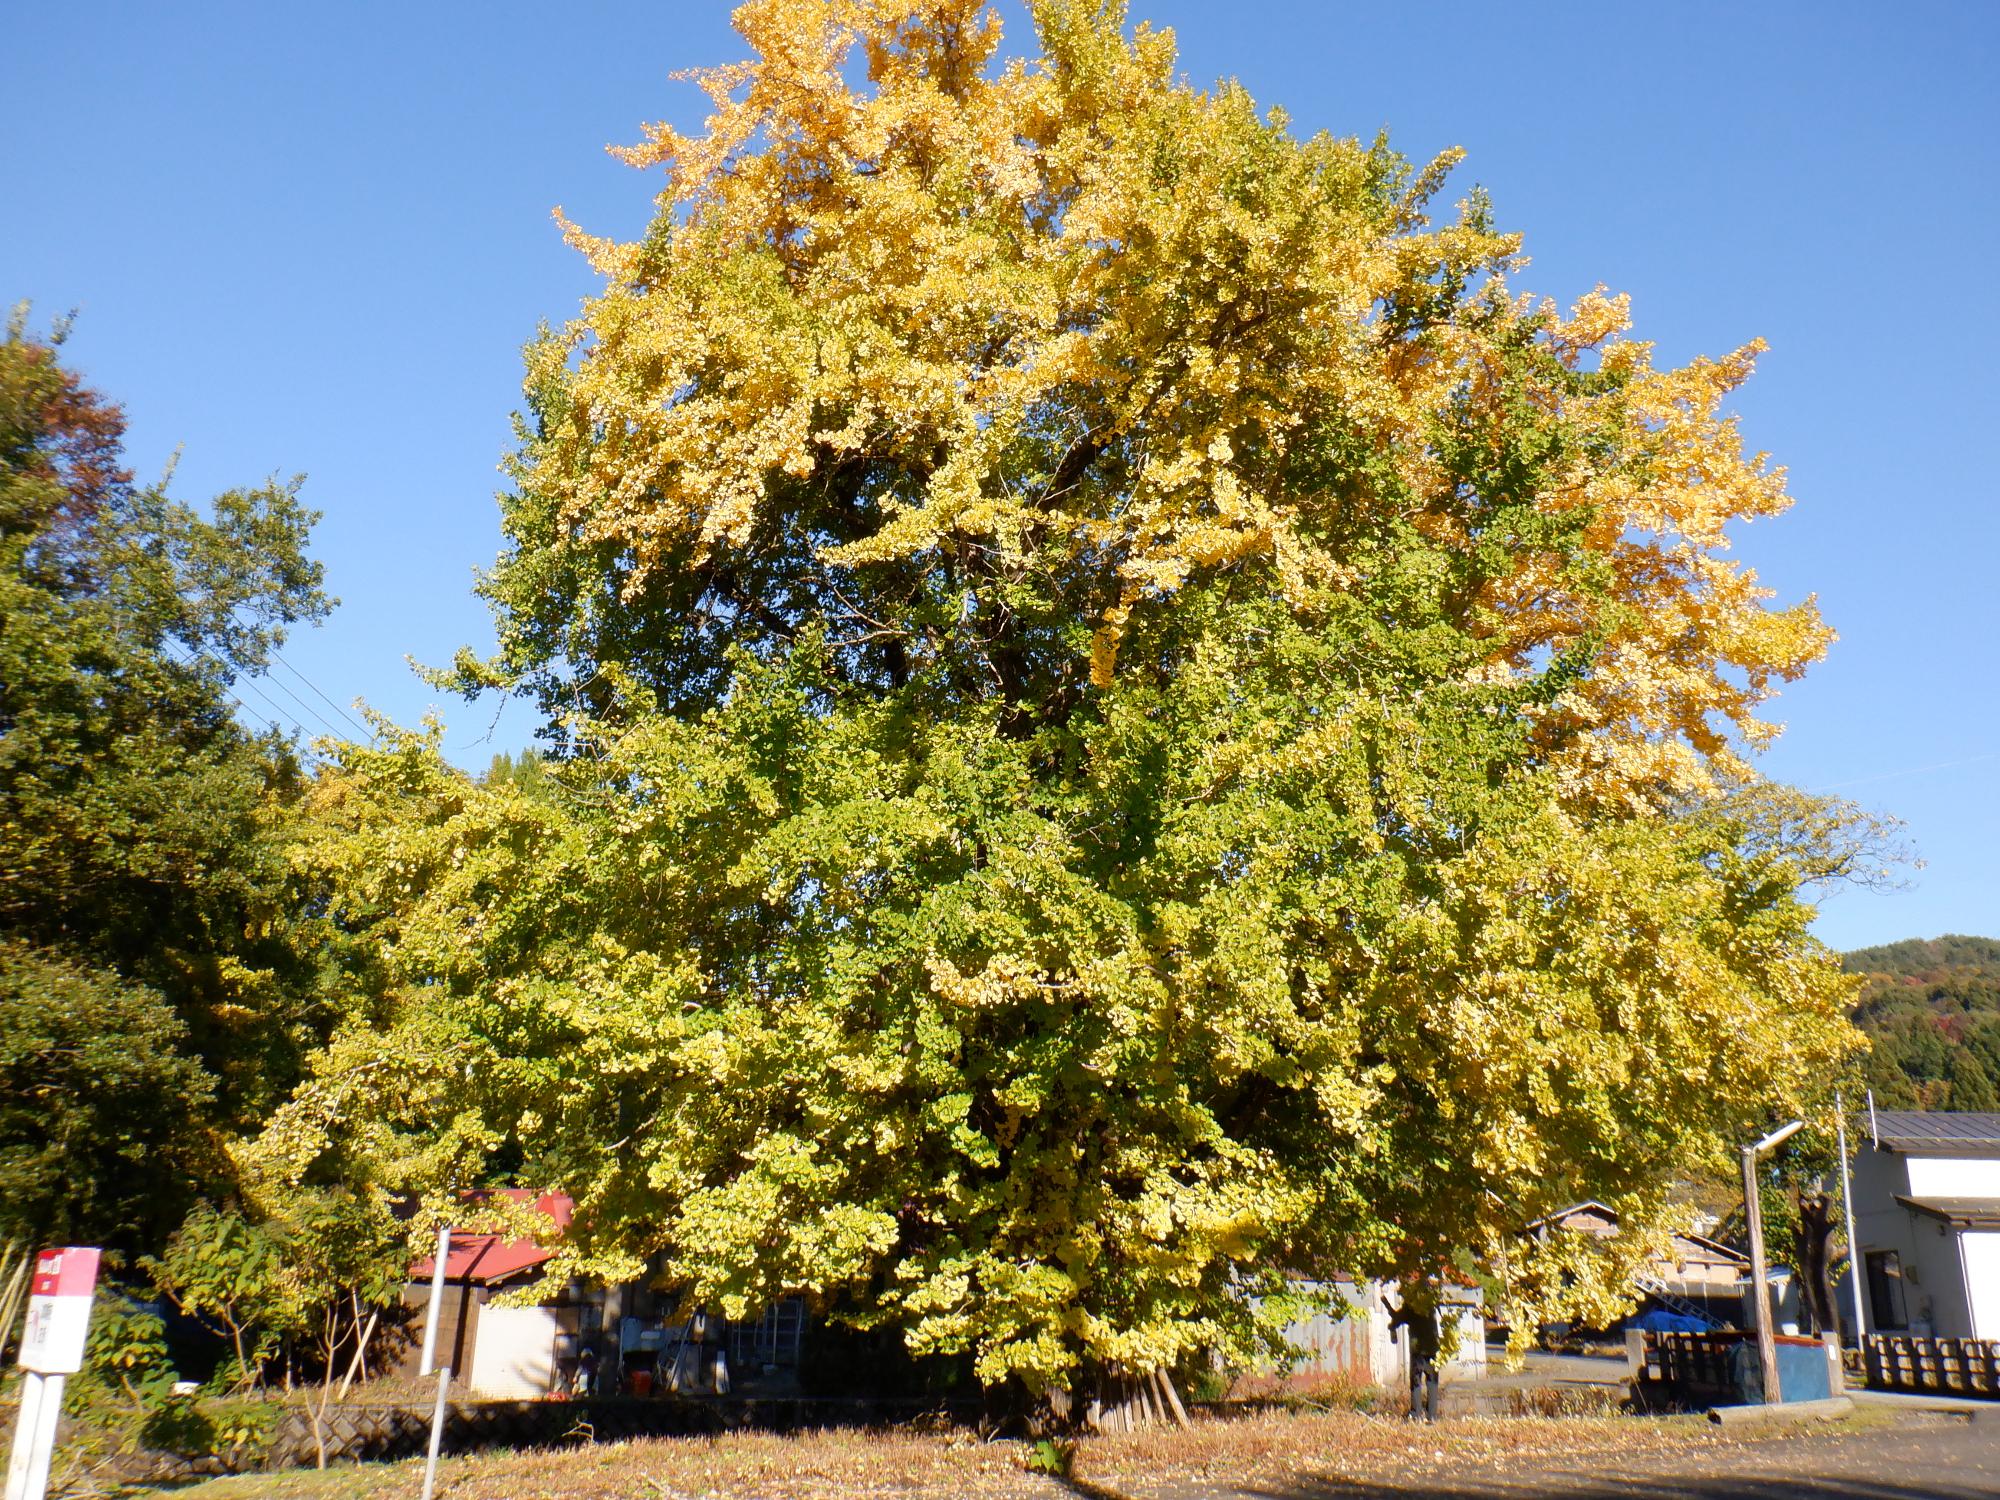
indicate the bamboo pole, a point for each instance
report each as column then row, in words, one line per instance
column 360, row 1349
column 12, row 1298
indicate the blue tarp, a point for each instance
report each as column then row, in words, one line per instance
column 1659, row 1320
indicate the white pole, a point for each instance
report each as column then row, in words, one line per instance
column 437, row 1432
column 1853, row 1242
column 28, row 1419
column 35, row 1437
column 430, row 1357
column 431, row 1314
column 1873, row 1129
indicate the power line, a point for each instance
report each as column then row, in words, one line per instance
column 358, row 727
column 324, row 722
column 189, row 657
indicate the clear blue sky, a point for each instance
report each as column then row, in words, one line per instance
column 313, row 238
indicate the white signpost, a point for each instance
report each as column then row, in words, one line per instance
column 51, row 1350
column 430, row 1360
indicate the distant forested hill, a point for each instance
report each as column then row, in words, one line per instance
column 1932, row 1008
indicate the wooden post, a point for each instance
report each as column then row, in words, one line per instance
column 360, row 1353
column 1767, row 1343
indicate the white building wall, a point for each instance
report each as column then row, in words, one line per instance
column 1937, row 1275
column 514, row 1358
column 1934, row 1268
column 1980, row 1254
column 1880, row 1223
column 1953, row 1177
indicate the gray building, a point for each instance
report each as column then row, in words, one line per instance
column 1927, row 1224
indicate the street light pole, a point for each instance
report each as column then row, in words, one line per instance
column 1853, row 1239
column 1753, row 1213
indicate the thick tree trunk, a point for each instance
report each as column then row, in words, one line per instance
column 1816, row 1257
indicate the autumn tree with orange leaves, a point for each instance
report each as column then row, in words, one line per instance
column 1129, row 718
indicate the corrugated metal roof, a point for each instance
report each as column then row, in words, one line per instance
column 1913, row 1130
column 486, row 1259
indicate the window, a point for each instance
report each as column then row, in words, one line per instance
column 1885, row 1290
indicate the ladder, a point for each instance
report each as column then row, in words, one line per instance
column 672, row 1356
column 1660, row 1292
column 775, row 1337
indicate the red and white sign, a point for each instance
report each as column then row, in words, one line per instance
column 59, row 1310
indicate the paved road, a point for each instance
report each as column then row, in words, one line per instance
column 1946, row 1460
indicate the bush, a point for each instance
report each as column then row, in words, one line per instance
column 130, row 1423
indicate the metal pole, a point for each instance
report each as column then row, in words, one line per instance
column 430, row 1357
column 1767, row 1344
column 1853, row 1242
column 431, row 1314
column 437, row 1432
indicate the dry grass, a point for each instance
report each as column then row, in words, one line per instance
column 1286, row 1449
column 1218, row 1452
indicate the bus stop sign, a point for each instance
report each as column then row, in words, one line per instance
column 59, row 1311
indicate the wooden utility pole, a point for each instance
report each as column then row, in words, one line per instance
column 1767, row 1343
column 1753, row 1215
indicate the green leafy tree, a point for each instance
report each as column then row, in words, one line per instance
column 142, row 828
column 230, row 1273
column 104, row 1118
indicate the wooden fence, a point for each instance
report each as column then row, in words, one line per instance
column 1722, row 1368
column 1946, row 1367
column 1689, row 1369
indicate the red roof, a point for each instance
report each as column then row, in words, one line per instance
column 484, row 1259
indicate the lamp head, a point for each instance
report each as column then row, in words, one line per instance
column 1781, row 1134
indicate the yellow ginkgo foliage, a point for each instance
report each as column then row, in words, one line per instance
column 1070, row 325
column 1127, row 719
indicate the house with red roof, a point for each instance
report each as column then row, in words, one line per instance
column 495, row 1350
column 581, row 1338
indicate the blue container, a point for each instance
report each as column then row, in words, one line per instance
column 1802, row 1371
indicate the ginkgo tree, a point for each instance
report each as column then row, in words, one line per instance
column 1127, row 719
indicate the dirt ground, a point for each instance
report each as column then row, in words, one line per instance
column 1309, row 1456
